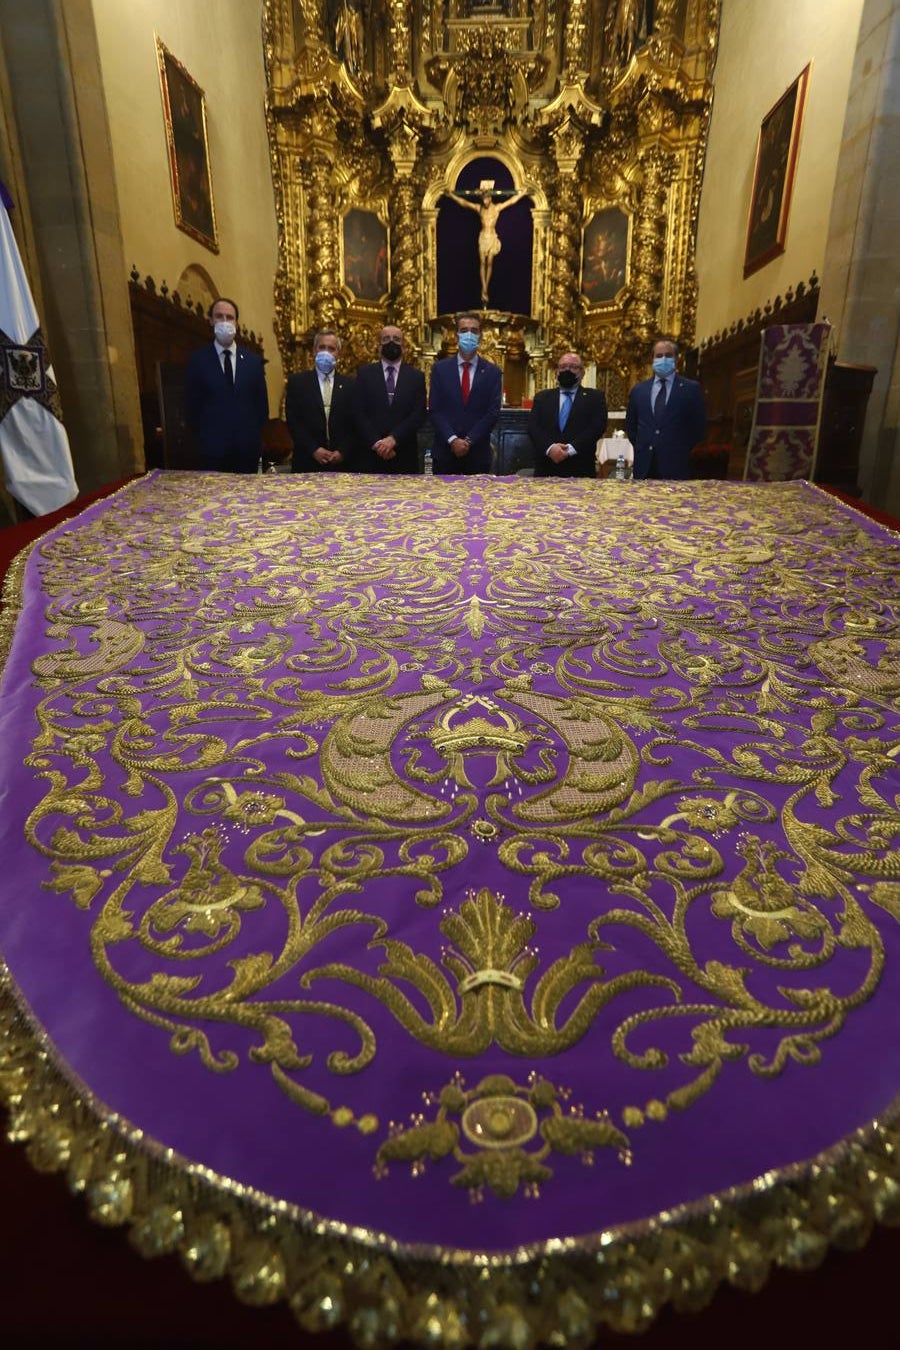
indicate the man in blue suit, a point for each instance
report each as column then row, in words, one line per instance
column 665, row 418
column 225, row 399
column 466, row 393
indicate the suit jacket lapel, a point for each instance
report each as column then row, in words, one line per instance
column 572, row 419
column 575, row 410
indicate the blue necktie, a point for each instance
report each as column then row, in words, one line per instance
column 659, row 403
column 565, row 408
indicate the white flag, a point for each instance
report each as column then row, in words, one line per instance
column 34, row 447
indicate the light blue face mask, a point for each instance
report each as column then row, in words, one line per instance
column 325, row 363
column 468, row 343
column 663, row 365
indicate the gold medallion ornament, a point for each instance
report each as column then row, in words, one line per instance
column 488, row 1129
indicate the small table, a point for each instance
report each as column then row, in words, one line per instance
column 611, row 447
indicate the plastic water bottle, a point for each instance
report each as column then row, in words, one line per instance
column 620, row 469
column 259, row 467
column 428, row 465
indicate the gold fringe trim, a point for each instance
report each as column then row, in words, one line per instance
column 560, row 1291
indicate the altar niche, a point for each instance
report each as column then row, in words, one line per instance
column 485, row 239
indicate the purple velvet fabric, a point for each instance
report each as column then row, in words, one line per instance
column 792, row 368
column 262, row 738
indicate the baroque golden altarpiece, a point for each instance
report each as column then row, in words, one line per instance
column 594, row 110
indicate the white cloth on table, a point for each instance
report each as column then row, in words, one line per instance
column 609, row 448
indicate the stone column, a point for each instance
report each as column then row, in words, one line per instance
column 57, row 117
column 861, row 273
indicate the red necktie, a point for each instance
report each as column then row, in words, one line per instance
column 465, row 382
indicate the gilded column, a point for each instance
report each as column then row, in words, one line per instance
column 575, row 30
column 321, row 238
column 565, row 237
column 406, row 254
column 564, row 242
column 405, row 121
column 657, row 169
column 568, row 120
column 399, row 43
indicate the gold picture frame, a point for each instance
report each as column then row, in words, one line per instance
column 773, row 176
column 365, row 257
column 604, row 255
column 184, row 113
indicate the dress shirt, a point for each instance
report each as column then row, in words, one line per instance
column 220, row 353
column 461, row 361
column 563, row 398
column 666, row 382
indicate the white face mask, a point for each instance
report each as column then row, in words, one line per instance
column 225, row 330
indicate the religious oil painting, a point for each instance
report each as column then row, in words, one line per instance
column 184, row 110
column 604, row 256
column 773, row 177
column 365, row 260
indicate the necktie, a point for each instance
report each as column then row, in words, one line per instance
column 390, row 381
column 565, row 407
column 659, row 403
column 466, row 384
column 229, row 369
column 326, row 397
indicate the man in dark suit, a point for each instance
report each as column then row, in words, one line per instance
column 466, row 393
column 665, row 418
column 390, row 408
column 319, row 411
column 566, row 423
column 225, row 398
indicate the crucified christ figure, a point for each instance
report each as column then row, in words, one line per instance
column 488, row 239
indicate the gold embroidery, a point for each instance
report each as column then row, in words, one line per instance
column 499, row 1118
column 777, row 719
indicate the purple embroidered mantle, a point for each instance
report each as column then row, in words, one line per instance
column 384, row 845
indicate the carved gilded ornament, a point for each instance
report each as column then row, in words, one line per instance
column 584, row 92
